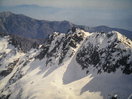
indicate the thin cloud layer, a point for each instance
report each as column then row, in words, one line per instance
column 119, row 4
column 115, row 13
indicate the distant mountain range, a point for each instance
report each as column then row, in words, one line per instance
column 18, row 24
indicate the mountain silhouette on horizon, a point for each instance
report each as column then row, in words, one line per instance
column 19, row 24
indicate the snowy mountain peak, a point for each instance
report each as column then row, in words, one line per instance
column 112, row 50
column 76, row 65
column 123, row 39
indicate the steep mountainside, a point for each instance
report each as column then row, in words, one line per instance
column 31, row 28
column 23, row 44
column 27, row 27
column 76, row 65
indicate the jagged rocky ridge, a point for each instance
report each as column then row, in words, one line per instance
column 106, row 52
column 23, row 44
column 85, row 53
column 58, row 45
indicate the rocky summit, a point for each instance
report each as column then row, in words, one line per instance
column 75, row 65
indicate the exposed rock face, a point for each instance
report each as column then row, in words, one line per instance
column 99, row 64
column 106, row 52
column 22, row 43
column 58, row 45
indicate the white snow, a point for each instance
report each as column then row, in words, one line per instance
column 37, row 86
column 64, row 81
column 12, row 55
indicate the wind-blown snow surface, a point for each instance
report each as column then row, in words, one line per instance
column 52, row 71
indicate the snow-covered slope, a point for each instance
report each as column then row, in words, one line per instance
column 77, row 65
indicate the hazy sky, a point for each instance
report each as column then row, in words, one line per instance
column 114, row 13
